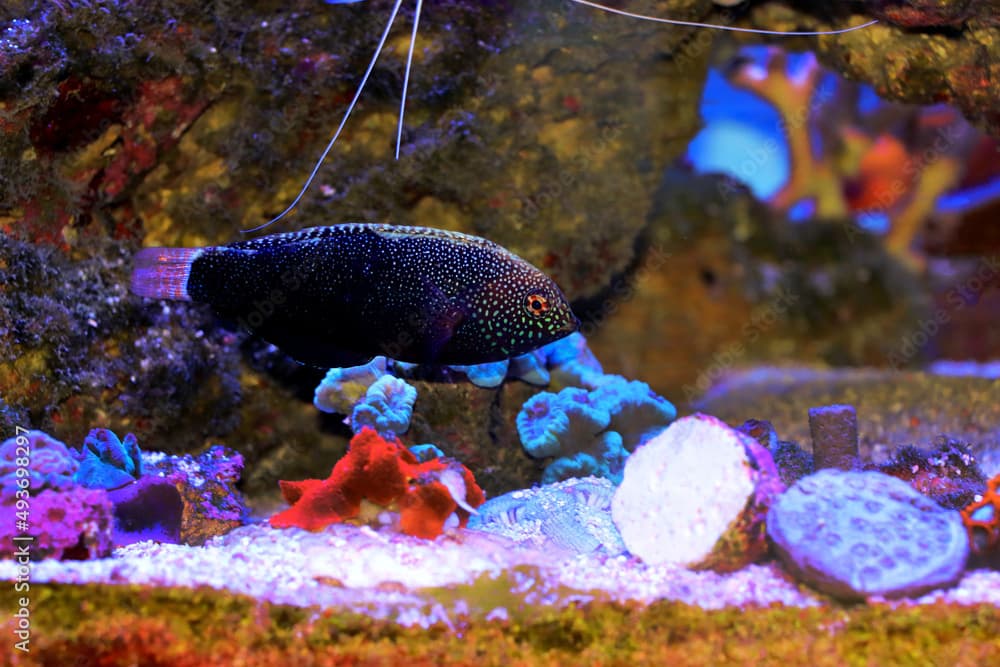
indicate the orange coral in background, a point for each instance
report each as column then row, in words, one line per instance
column 894, row 161
column 982, row 520
column 385, row 473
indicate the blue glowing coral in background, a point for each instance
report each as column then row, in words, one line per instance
column 742, row 136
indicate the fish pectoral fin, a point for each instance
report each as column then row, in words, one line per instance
column 445, row 314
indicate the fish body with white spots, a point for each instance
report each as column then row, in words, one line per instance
column 340, row 295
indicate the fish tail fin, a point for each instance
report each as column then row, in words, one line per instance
column 162, row 273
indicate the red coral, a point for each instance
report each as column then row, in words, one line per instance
column 386, row 473
column 982, row 520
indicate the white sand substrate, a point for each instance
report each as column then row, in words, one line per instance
column 380, row 573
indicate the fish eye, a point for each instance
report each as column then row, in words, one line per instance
column 536, row 304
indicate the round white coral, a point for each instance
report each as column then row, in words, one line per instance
column 683, row 491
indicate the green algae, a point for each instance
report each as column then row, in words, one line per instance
column 895, row 408
column 173, row 626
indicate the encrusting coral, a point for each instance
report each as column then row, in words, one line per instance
column 948, row 474
column 385, row 473
column 855, row 534
column 697, row 495
column 207, row 486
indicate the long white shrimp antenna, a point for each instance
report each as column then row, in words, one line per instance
column 409, row 62
column 406, row 76
column 347, row 114
column 695, row 24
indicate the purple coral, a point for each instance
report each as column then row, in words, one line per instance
column 38, row 494
column 74, row 524
column 48, row 462
column 149, row 509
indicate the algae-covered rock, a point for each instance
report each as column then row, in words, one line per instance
column 921, row 51
column 211, row 503
column 947, row 474
column 540, row 125
column 77, row 351
column 696, row 496
column 725, row 282
column 858, row 534
column 895, row 408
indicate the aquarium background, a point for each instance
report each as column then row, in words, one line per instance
column 751, row 225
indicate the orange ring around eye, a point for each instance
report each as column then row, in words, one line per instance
column 537, row 304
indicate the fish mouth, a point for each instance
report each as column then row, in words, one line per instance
column 572, row 324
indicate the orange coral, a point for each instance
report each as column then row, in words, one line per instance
column 982, row 519
column 895, row 161
column 386, row 473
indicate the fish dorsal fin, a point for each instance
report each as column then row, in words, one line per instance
column 381, row 229
column 400, row 231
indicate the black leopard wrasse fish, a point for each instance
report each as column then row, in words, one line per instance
column 340, row 295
